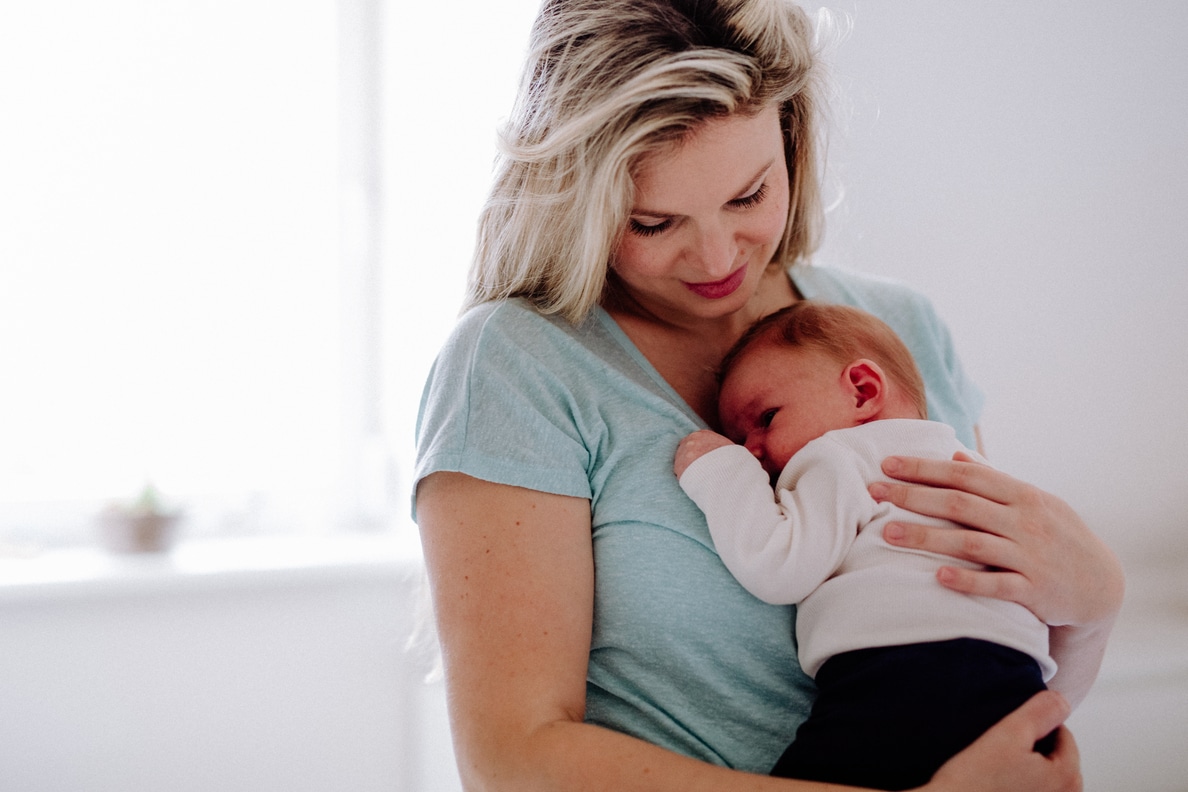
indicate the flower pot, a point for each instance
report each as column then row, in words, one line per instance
column 132, row 531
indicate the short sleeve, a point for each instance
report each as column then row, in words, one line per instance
column 495, row 406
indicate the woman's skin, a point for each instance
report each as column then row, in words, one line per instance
column 692, row 270
column 1037, row 550
column 512, row 569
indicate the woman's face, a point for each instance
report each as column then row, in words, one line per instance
column 707, row 218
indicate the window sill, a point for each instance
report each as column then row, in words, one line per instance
column 1150, row 641
column 209, row 564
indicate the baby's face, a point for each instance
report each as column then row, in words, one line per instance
column 776, row 399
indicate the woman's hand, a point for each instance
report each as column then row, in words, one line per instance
column 1038, row 550
column 1003, row 759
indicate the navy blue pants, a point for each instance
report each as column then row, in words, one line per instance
column 888, row 717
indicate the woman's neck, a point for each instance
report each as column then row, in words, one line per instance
column 686, row 350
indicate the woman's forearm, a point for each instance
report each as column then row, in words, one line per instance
column 1078, row 652
column 579, row 757
column 512, row 576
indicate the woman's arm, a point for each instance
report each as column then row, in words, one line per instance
column 1038, row 551
column 512, row 577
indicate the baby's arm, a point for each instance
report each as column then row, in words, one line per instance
column 779, row 548
column 695, row 446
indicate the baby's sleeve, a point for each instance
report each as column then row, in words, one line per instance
column 780, row 546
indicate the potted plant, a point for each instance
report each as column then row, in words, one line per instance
column 146, row 525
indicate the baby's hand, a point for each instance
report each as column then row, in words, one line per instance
column 694, row 447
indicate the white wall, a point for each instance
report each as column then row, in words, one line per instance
column 283, row 668
column 1024, row 163
column 218, row 669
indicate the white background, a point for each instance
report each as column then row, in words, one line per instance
column 1025, row 165
column 1021, row 162
column 168, row 293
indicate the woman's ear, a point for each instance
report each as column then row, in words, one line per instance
column 867, row 386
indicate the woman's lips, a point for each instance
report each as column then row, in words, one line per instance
column 716, row 290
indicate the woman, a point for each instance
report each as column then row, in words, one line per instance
column 658, row 185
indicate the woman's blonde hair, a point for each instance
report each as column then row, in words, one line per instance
column 607, row 83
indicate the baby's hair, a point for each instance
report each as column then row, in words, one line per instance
column 841, row 332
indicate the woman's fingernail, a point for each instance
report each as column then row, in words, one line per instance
column 878, row 491
column 893, row 531
column 892, row 465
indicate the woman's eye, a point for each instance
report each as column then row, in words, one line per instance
column 754, row 199
column 649, row 229
column 766, row 418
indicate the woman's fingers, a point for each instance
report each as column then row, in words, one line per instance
column 961, row 507
column 996, row 584
column 1037, row 550
column 996, row 554
column 1036, row 718
column 975, row 546
column 960, row 473
column 1004, row 758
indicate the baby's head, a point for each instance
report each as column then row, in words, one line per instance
column 811, row 368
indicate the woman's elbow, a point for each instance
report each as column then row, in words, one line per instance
column 512, row 759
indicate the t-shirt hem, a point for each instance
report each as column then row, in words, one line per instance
column 497, row 471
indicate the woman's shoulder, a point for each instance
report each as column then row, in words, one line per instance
column 505, row 330
column 909, row 312
column 510, row 346
column 860, row 289
column 511, row 317
column 496, row 403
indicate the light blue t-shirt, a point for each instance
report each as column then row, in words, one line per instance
column 681, row 655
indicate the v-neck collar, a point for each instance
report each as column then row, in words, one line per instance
column 623, row 340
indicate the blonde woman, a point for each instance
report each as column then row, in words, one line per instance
column 657, row 194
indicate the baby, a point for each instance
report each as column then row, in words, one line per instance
column 908, row 672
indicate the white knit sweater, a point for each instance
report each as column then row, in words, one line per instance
column 819, row 544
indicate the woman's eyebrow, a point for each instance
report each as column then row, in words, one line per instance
column 642, row 212
column 757, row 177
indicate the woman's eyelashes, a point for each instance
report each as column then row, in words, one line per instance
column 650, row 229
column 658, row 226
column 754, row 199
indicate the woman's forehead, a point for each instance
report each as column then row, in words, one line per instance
column 723, row 155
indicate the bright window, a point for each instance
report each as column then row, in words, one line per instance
column 234, row 236
column 447, row 86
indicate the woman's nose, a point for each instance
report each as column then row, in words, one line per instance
column 716, row 250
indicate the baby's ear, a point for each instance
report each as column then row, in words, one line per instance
column 867, row 386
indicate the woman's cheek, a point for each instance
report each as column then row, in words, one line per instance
column 776, row 220
column 639, row 257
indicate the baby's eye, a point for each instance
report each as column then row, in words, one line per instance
column 767, row 417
